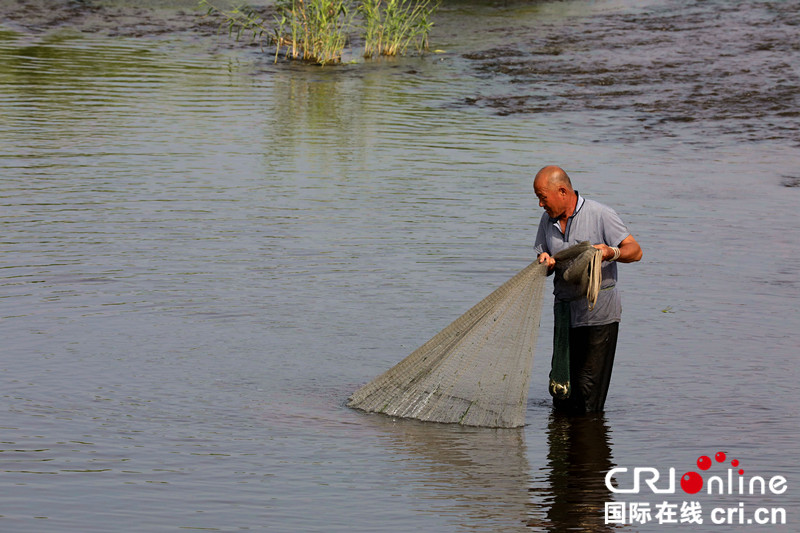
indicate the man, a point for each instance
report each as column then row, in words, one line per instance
column 569, row 219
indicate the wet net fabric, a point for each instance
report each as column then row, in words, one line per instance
column 578, row 265
column 476, row 371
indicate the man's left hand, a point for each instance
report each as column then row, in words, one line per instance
column 629, row 250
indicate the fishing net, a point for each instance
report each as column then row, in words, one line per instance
column 579, row 266
column 476, row 371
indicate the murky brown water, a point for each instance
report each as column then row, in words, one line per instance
column 204, row 253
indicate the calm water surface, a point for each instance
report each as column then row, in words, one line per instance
column 205, row 253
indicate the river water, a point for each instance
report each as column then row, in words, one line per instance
column 204, row 253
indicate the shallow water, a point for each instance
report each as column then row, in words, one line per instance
column 205, row 253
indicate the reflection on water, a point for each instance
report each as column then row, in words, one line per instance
column 579, row 458
column 484, row 474
column 474, row 474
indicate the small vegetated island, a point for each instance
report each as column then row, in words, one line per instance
column 318, row 31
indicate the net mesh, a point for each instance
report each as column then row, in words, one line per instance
column 476, row 371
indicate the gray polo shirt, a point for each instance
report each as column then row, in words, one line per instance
column 596, row 223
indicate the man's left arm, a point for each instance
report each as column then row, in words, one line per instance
column 629, row 250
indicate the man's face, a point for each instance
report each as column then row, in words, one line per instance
column 551, row 199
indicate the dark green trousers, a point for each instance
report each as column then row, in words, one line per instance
column 591, row 359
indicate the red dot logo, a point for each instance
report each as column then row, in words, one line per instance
column 691, row 482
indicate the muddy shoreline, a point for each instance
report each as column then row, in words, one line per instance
column 35, row 17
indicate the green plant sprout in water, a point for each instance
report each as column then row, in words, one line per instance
column 239, row 20
column 318, row 30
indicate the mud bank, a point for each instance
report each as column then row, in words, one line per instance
column 723, row 68
column 115, row 19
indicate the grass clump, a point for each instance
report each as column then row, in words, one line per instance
column 318, row 30
column 391, row 26
column 313, row 30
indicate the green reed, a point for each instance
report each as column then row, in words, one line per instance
column 391, row 26
column 318, row 30
column 313, row 30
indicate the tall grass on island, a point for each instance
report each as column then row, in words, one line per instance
column 313, row 30
column 391, row 26
column 317, row 31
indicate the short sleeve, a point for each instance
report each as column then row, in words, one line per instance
column 614, row 230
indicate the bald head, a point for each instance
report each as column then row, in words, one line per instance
column 554, row 191
column 552, row 176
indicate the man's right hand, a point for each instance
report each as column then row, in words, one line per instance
column 544, row 257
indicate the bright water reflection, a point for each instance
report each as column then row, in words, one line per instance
column 205, row 253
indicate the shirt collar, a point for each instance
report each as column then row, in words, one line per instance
column 578, row 206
